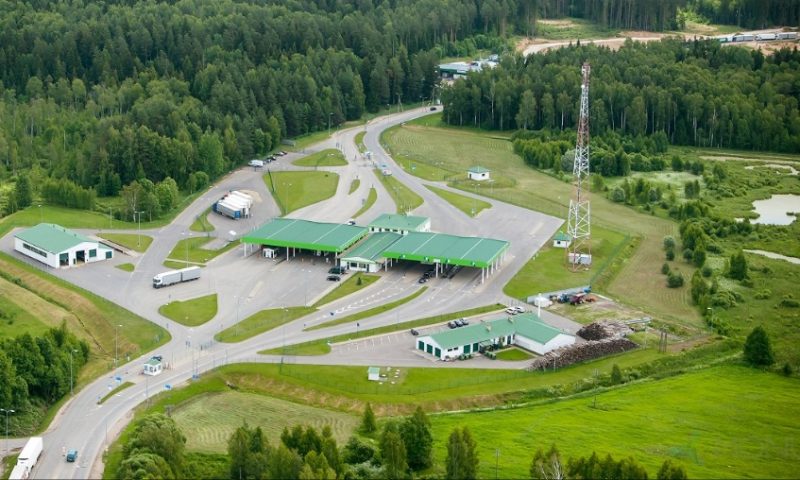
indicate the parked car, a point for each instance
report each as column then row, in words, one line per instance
column 281, row 153
column 351, row 222
column 452, row 324
column 334, row 278
column 72, row 455
column 414, row 332
column 459, row 323
column 423, row 280
column 433, row 109
column 338, row 270
column 464, row 321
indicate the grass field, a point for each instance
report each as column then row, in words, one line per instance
column 371, row 198
column 359, row 139
column 634, row 280
column 22, row 311
column 371, row 312
column 330, row 157
column 468, row 205
column 261, row 322
column 354, row 186
column 201, row 223
column 126, row 267
column 547, row 270
column 405, row 199
column 191, row 250
column 738, row 423
column 295, row 190
column 513, row 354
column 348, row 287
column 208, row 420
column 572, row 29
column 191, row 313
column 131, row 241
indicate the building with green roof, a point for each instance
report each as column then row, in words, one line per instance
column 367, row 256
column 402, row 224
column 317, row 237
column 526, row 330
column 58, row 247
column 561, row 240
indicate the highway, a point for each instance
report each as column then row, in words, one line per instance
column 246, row 285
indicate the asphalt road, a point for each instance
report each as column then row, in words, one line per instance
column 248, row 284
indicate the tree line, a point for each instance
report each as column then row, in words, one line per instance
column 696, row 93
column 37, row 371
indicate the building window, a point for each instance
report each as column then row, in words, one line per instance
column 92, row 253
column 35, row 250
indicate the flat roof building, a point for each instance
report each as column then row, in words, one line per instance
column 402, row 224
column 367, row 256
column 294, row 234
column 58, row 247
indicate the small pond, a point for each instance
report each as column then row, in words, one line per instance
column 774, row 210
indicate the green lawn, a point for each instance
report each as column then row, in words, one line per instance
column 354, row 186
column 513, row 354
column 131, row 241
column 191, row 249
column 405, row 199
column 321, row 347
column 360, row 141
column 209, row 419
column 468, row 205
column 371, row 312
column 261, row 322
column 548, row 271
column 724, row 422
column 201, row 223
column 116, row 390
column 633, row 272
column 348, row 287
column 295, row 190
column 330, row 157
column 23, row 312
column 571, row 29
column 127, row 267
column 373, row 195
column 191, row 313
column 176, row 265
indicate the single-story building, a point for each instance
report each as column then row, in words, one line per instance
column 152, row 367
column 478, row 173
column 58, row 247
column 367, row 256
column 374, row 374
column 525, row 330
column 402, row 224
column 561, row 240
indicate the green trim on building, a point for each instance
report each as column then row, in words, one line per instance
column 305, row 234
column 371, row 249
column 527, row 325
column 52, row 238
column 391, row 221
column 428, row 247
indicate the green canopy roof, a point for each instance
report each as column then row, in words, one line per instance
column 447, row 249
column 52, row 238
column 392, row 221
column 561, row 237
column 372, row 248
column 478, row 169
column 527, row 325
column 305, row 234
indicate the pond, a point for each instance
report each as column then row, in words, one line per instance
column 775, row 210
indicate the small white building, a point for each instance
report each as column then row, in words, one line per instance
column 367, row 255
column 374, row 374
column 478, row 173
column 525, row 330
column 58, row 247
column 561, row 240
column 402, row 224
column 152, row 367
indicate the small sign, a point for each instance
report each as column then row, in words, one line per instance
column 168, row 387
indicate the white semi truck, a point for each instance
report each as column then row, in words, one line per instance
column 176, row 276
column 27, row 459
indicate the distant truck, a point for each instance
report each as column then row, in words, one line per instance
column 27, row 459
column 256, row 163
column 176, row 276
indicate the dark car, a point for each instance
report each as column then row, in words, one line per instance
column 334, row 278
column 433, row 109
column 464, row 321
column 72, row 455
column 339, row 270
column 414, row 332
column 458, row 323
column 423, row 280
column 452, row 324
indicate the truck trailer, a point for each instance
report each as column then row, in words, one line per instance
column 27, row 459
column 176, row 276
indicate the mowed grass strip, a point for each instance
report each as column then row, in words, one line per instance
column 371, row 198
column 348, row 287
column 405, row 199
column 322, row 347
column 125, row 267
column 469, row 205
column 354, row 186
column 23, row 312
column 115, row 391
column 191, row 313
column 330, row 157
column 371, row 312
column 209, row 419
column 516, row 183
column 261, row 322
column 722, row 422
column 131, row 241
column 295, row 190
column 513, row 354
column 359, row 139
column 548, row 270
column 201, row 223
column 191, row 249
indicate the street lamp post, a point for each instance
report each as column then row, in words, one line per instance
column 329, row 122
column 139, row 231
column 188, row 236
column 7, row 411
column 41, row 218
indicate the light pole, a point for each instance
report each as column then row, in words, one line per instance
column 41, row 218
column 139, row 232
column 116, row 344
column 329, row 123
column 188, row 236
column 7, row 411
column 70, row 371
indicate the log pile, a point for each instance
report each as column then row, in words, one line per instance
column 604, row 329
column 582, row 352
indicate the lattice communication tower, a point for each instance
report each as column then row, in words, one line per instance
column 579, row 225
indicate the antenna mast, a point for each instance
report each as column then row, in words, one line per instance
column 579, row 253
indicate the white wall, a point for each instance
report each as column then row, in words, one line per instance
column 52, row 260
column 47, row 258
column 560, row 340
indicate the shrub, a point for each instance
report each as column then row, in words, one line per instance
column 763, row 294
column 787, row 369
column 757, row 348
column 706, row 271
column 665, row 268
column 789, row 303
column 670, row 255
column 669, row 242
column 675, row 280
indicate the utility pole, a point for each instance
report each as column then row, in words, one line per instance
column 579, row 252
